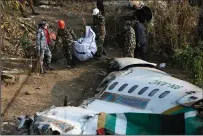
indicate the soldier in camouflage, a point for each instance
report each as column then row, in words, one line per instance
column 42, row 46
column 100, row 31
column 130, row 41
column 67, row 36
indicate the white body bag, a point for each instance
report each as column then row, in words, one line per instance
column 85, row 48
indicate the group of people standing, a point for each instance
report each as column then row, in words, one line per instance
column 67, row 37
column 135, row 32
column 135, row 38
column 64, row 33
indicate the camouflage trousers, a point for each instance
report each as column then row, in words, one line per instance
column 129, row 51
column 45, row 55
column 68, row 53
column 100, row 46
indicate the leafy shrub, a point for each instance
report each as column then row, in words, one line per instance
column 191, row 59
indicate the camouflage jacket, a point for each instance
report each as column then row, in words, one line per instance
column 130, row 39
column 67, row 35
column 130, row 42
column 99, row 26
column 41, row 40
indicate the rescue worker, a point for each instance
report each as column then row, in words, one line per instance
column 100, row 31
column 23, row 5
column 42, row 46
column 141, row 41
column 130, row 42
column 141, row 15
column 68, row 37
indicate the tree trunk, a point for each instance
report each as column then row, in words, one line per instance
column 200, row 24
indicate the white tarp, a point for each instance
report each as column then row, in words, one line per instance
column 85, row 48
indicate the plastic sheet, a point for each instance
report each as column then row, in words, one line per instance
column 85, row 48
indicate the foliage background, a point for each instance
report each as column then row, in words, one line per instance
column 173, row 32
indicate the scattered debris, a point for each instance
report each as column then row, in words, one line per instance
column 17, row 59
column 13, row 71
column 9, row 79
column 44, row 6
column 37, row 76
column 103, row 73
column 29, row 92
column 162, row 65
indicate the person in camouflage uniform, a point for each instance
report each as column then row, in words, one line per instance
column 67, row 36
column 42, row 46
column 22, row 7
column 100, row 31
column 130, row 41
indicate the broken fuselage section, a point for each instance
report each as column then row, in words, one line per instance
column 131, row 98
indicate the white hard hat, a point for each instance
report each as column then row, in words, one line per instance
column 95, row 11
column 137, row 3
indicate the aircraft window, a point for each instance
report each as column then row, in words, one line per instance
column 132, row 88
column 193, row 97
column 112, row 86
column 142, row 90
column 164, row 94
column 122, row 87
column 152, row 93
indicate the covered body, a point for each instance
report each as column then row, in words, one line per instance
column 85, row 48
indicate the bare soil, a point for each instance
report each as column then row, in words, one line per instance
column 34, row 94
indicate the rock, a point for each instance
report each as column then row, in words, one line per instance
column 38, row 88
column 29, row 92
column 44, row 6
column 44, row 2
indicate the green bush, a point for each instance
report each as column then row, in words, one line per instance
column 191, row 59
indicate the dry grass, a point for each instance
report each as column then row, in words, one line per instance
column 173, row 27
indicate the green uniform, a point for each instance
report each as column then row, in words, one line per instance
column 67, row 36
column 100, row 31
column 130, row 42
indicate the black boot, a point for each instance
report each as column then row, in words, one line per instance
column 104, row 53
column 97, row 55
column 49, row 67
column 44, row 70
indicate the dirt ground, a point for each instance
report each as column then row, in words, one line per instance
column 34, row 94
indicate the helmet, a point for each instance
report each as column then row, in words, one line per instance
column 43, row 23
column 137, row 4
column 61, row 24
column 95, row 11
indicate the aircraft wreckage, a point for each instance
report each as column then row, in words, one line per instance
column 136, row 97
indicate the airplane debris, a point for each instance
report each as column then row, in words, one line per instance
column 44, row 6
column 117, row 109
